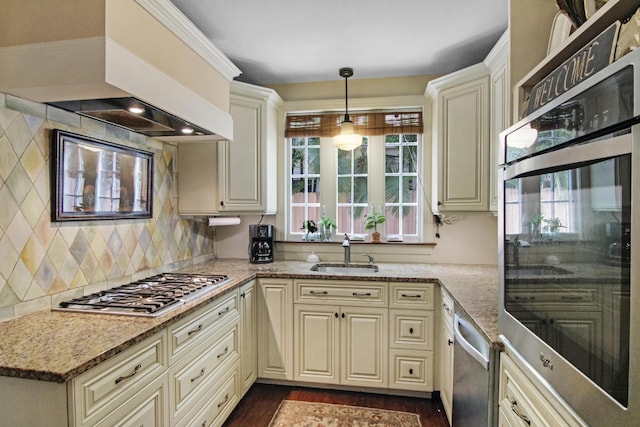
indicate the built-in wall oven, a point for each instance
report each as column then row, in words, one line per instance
column 569, row 227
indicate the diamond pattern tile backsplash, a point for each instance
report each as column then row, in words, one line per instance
column 42, row 262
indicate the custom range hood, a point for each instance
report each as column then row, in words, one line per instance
column 138, row 64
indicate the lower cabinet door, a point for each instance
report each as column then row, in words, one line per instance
column 364, row 346
column 275, row 329
column 316, row 342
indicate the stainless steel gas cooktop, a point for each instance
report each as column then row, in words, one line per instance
column 150, row 297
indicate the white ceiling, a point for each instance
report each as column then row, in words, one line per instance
column 289, row 41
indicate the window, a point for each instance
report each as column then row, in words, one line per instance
column 352, row 189
column 304, row 202
column 401, row 182
column 382, row 174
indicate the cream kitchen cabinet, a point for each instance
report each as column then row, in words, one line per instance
column 341, row 345
column 187, row 371
column 131, row 386
column 500, row 110
column 523, row 404
column 411, row 336
column 248, row 335
column 459, row 105
column 236, row 176
column 248, row 164
column 123, row 380
column 275, row 329
column 341, row 332
column 446, row 353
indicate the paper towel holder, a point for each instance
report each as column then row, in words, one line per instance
column 215, row 221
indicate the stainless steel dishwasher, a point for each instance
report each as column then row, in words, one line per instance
column 475, row 382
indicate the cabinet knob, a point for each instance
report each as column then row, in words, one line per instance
column 449, row 342
column 336, row 315
column 222, row 203
column 410, row 371
column 411, row 331
column 343, row 315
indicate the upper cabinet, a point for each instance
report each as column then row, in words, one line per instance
column 239, row 176
column 248, row 164
column 459, row 104
column 500, row 109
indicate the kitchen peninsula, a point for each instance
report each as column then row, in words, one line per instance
column 57, row 347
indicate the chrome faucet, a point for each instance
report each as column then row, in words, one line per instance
column 346, row 244
column 370, row 258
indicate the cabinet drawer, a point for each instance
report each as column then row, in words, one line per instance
column 194, row 329
column 191, row 376
column 215, row 408
column 332, row 292
column 103, row 388
column 412, row 329
column 523, row 402
column 412, row 295
column 411, row 370
column 148, row 408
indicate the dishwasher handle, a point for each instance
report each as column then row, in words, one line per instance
column 467, row 346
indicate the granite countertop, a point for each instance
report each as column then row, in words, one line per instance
column 57, row 346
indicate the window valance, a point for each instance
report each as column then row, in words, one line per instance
column 365, row 123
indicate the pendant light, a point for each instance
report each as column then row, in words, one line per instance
column 347, row 139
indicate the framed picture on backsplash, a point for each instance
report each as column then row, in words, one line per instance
column 93, row 179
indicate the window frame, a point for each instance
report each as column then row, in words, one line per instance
column 328, row 167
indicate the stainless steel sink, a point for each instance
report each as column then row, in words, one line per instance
column 345, row 268
column 535, row 270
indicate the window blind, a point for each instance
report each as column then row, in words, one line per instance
column 365, row 123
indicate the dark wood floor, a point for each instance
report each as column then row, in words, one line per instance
column 260, row 403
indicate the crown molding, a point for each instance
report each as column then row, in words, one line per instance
column 172, row 18
column 456, row 78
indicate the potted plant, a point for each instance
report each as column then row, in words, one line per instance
column 311, row 228
column 327, row 224
column 371, row 221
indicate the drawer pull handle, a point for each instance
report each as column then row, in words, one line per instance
column 226, row 350
column 411, row 296
column 226, row 399
column 361, row 294
column 514, row 408
column 519, row 298
column 193, row 331
column 135, row 371
column 198, row 376
column 225, row 311
column 318, row 292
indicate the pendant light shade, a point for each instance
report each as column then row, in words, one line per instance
column 347, row 140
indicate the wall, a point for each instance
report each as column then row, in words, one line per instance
column 42, row 262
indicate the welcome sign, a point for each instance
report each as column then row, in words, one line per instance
column 583, row 64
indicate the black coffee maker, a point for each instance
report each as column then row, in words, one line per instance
column 261, row 243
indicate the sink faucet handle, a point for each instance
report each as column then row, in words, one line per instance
column 370, row 258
